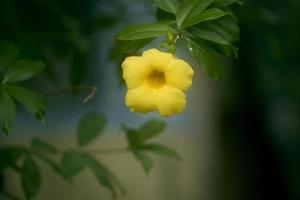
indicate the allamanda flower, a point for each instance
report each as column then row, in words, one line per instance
column 156, row 81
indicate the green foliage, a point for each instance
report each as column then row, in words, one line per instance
column 72, row 161
column 161, row 150
column 103, row 175
column 208, row 27
column 209, row 60
column 22, row 70
column 10, row 155
column 41, row 145
column 151, row 129
column 8, row 53
column 188, row 12
column 89, row 127
column 33, row 103
column 144, row 159
column 30, row 178
column 143, row 31
column 139, row 145
column 7, row 111
column 167, row 5
column 17, row 70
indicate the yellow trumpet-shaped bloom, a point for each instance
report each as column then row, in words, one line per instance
column 156, row 81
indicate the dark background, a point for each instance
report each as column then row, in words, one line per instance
column 240, row 134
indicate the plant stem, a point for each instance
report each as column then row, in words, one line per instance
column 92, row 151
column 107, row 151
column 92, row 91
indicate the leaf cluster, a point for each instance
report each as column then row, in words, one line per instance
column 208, row 28
column 14, row 71
column 139, row 145
column 70, row 162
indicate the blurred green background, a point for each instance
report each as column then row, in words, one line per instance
column 239, row 137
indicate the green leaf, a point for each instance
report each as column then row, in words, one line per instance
column 189, row 10
column 208, row 35
column 131, row 46
column 226, row 50
column 90, row 127
column 10, row 156
column 222, row 3
column 151, row 129
column 103, row 175
column 143, row 31
column 133, row 137
column 42, row 146
column 7, row 111
column 72, row 163
column 225, row 26
column 206, row 57
column 144, row 159
column 55, row 167
column 8, row 53
column 207, row 15
column 167, row 5
column 161, row 150
column 163, row 15
column 31, row 178
column 22, row 70
column 33, row 103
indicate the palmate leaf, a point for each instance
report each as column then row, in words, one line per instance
column 22, row 70
column 188, row 11
column 30, row 178
column 7, row 111
column 33, row 103
column 167, row 5
column 90, row 127
column 143, row 31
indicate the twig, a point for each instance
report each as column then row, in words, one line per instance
column 92, row 151
column 92, row 91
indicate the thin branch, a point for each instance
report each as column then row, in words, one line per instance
column 92, row 151
column 107, row 151
column 92, row 91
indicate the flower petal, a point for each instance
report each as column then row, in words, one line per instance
column 179, row 74
column 170, row 101
column 141, row 99
column 135, row 71
column 157, row 59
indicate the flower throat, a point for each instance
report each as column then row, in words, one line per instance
column 156, row 79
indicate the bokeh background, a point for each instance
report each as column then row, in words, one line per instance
column 239, row 137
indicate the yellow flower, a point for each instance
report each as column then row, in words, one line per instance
column 156, row 81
